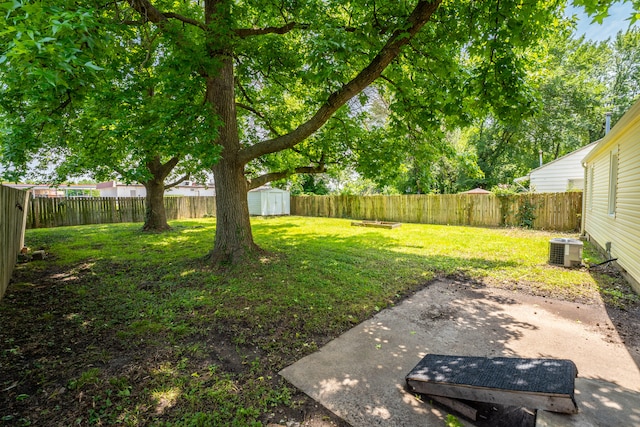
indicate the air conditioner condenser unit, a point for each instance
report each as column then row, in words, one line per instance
column 566, row 252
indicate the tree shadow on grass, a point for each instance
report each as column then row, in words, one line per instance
column 140, row 314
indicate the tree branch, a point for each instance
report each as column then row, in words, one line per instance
column 400, row 37
column 253, row 110
column 259, row 114
column 150, row 13
column 274, row 176
column 249, row 32
column 158, row 170
column 168, row 167
column 186, row 20
column 181, row 180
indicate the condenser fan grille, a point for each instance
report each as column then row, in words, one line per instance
column 556, row 253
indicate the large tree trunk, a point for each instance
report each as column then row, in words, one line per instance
column 155, row 218
column 233, row 240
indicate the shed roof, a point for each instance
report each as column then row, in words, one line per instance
column 477, row 191
column 267, row 188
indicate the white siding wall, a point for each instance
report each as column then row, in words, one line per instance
column 623, row 228
column 190, row 191
column 556, row 176
column 255, row 202
column 131, row 191
column 286, row 203
column 109, row 192
column 268, row 203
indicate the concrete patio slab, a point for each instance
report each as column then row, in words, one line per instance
column 601, row 404
column 360, row 375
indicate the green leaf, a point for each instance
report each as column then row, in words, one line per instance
column 10, row 6
column 93, row 66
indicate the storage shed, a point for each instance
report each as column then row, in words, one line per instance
column 267, row 201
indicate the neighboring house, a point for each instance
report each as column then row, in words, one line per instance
column 116, row 189
column 611, row 203
column 267, row 201
column 63, row 190
column 263, row 200
column 563, row 174
column 186, row 188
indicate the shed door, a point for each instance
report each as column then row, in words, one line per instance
column 276, row 206
column 272, row 203
column 267, row 203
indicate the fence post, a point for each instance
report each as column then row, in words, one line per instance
column 13, row 205
column 25, row 212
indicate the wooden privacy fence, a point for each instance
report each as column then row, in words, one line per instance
column 543, row 211
column 61, row 211
column 13, row 209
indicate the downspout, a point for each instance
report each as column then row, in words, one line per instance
column 583, row 219
column 583, row 216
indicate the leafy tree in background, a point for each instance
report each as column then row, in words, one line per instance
column 574, row 80
column 280, row 86
column 624, row 72
column 309, row 184
column 450, row 166
column 134, row 117
column 569, row 83
column 577, row 81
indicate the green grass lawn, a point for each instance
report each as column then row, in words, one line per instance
column 119, row 326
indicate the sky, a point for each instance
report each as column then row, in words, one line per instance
column 616, row 21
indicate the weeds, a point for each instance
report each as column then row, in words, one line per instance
column 526, row 214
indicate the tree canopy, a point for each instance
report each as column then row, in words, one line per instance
column 573, row 82
column 133, row 117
